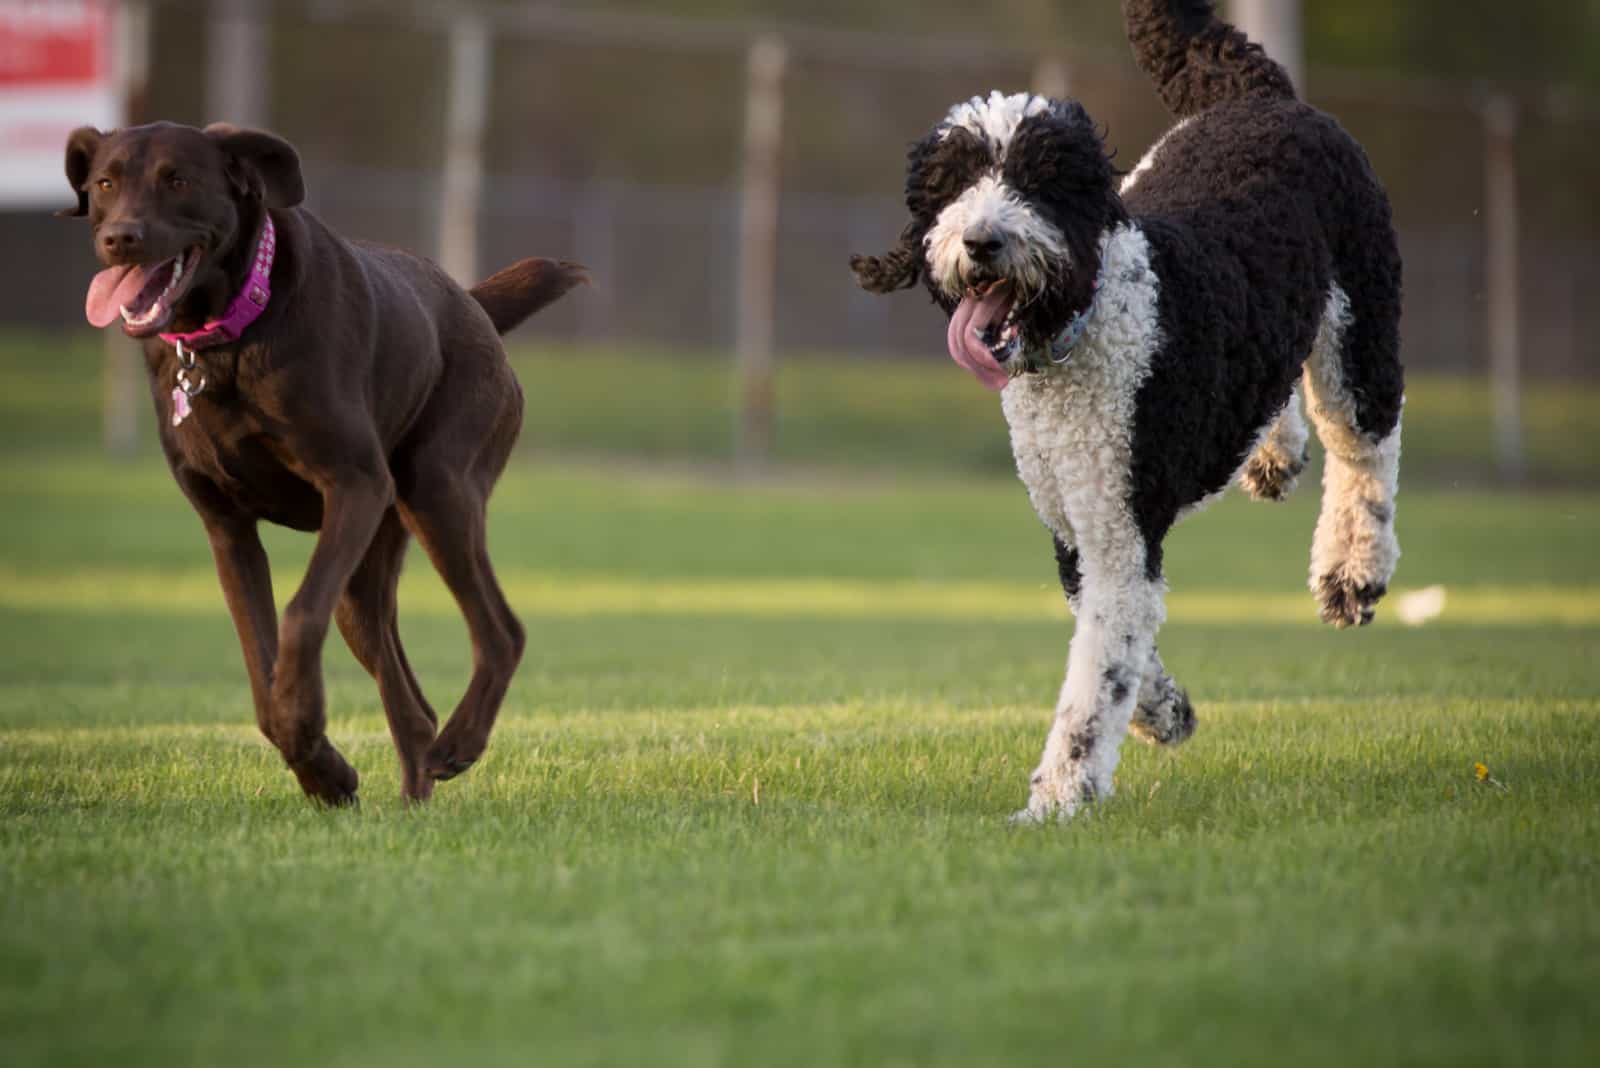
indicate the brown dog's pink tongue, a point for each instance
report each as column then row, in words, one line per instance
column 972, row 316
column 110, row 290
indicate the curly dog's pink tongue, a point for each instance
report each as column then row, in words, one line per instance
column 111, row 289
column 973, row 317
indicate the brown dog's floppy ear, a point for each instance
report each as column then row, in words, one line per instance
column 83, row 143
column 261, row 164
column 898, row 268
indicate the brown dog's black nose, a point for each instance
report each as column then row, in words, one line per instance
column 983, row 244
column 124, row 240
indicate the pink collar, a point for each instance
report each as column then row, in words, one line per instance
column 247, row 306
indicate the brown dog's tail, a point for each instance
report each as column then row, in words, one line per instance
column 513, row 294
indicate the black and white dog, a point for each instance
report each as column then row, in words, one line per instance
column 1150, row 339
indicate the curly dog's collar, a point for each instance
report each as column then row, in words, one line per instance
column 1065, row 343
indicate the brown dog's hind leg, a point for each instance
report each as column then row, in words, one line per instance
column 449, row 522
column 444, row 479
column 367, row 614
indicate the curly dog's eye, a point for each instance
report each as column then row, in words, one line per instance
column 958, row 161
column 177, row 183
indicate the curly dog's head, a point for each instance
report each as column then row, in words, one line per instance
column 1009, row 197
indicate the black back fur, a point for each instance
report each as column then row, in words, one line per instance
column 1253, row 211
column 1254, row 207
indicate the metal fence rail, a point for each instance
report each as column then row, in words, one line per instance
column 666, row 271
column 652, row 149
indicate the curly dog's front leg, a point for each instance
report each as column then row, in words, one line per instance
column 1119, row 611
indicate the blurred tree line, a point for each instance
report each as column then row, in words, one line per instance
column 368, row 83
column 630, row 134
column 362, row 85
column 1504, row 40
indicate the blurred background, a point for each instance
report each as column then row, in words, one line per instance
column 714, row 163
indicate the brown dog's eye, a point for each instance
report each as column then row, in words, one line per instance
column 177, row 183
column 105, row 185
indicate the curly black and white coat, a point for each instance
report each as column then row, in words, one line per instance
column 1151, row 338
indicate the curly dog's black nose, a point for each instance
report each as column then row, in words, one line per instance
column 983, row 244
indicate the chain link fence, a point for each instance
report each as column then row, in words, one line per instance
column 616, row 142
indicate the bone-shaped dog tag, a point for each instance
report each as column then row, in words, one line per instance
column 180, row 406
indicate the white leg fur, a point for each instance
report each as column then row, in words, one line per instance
column 1114, row 636
column 1354, row 550
column 1071, row 432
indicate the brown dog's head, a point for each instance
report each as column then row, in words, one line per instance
column 174, row 211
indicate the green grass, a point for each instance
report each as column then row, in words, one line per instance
column 746, row 801
column 832, row 412
column 1316, row 877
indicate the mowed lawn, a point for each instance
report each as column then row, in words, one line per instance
column 747, row 800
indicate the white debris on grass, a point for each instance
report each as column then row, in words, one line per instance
column 1420, row 606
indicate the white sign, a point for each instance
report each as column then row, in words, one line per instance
column 57, row 72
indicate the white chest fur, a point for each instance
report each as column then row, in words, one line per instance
column 1072, row 425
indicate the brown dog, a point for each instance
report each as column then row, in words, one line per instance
column 324, row 385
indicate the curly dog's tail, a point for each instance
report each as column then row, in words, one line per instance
column 1196, row 60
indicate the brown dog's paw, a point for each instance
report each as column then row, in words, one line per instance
column 416, row 785
column 453, row 752
column 327, row 777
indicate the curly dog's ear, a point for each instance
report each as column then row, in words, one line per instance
column 81, row 147
column 899, row 268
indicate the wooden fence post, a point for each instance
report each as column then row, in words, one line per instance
column 1275, row 26
column 121, row 377
column 1503, row 308
column 237, row 77
column 758, row 250
column 465, row 116
column 595, row 238
column 1052, row 78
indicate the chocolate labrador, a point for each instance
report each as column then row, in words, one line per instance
column 321, row 384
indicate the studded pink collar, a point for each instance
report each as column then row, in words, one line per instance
column 246, row 307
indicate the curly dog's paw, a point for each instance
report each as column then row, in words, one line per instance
column 1269, row 476
column 1346, row 602
column 1168, row 720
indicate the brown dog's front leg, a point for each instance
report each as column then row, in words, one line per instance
column 352, row 509
column 247, row 586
